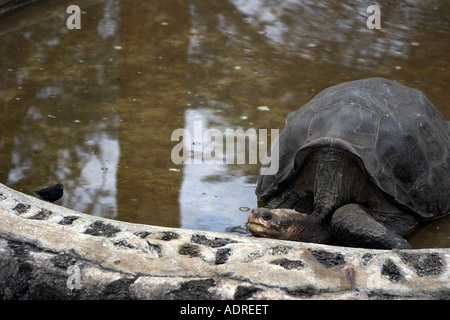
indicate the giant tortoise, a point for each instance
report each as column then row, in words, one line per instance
column 360, row 165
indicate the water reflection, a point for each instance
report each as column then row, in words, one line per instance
column 211, row 194
column 95, row 190
column 95, row 108
column 58, row 133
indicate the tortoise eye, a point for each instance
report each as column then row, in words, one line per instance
column 266, row 216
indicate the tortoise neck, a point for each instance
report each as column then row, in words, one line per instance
column 315, row 229
column 333, row 184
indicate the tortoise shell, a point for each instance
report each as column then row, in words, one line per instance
column 399, row 138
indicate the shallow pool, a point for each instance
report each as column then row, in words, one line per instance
column 95, row 108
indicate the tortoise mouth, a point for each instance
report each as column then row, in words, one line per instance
column 260, row 230
column 256, row 228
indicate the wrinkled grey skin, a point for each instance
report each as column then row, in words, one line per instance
column 360, row 165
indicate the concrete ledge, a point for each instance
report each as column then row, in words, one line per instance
column 50, row 252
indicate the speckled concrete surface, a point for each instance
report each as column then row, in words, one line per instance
column 47, row 251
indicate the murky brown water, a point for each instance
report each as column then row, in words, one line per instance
column 95, row 108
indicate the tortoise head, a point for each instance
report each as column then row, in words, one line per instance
column 276, row 223
column 286, row 224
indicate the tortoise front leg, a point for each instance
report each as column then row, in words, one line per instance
column 353, row 225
